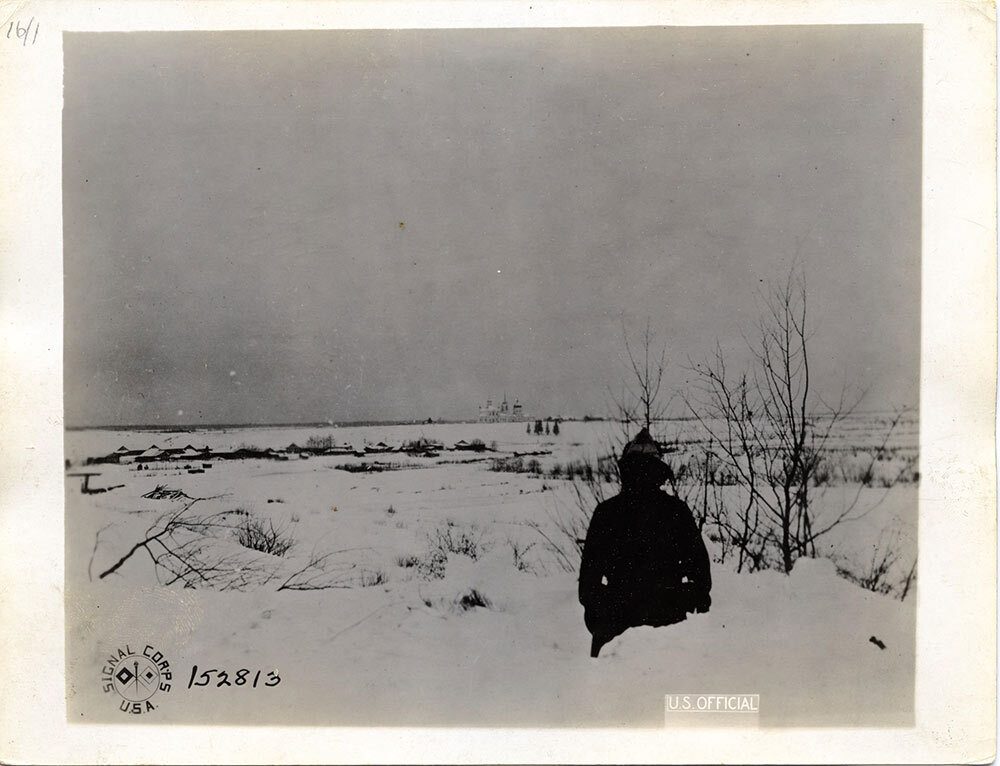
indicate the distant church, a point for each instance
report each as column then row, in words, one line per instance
column 501, row 413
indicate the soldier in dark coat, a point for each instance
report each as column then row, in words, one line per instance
column 644, row 562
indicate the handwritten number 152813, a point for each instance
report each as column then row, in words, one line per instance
column 18, row 31
column 240, row 678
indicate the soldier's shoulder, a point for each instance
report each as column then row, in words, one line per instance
column 669, row 497
column 610, row 506
column 675, row 504
column 609, row 503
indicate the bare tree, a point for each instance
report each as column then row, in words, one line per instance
column 729, row 412
column 772, row 428
column 796, row 424
column 642, row 403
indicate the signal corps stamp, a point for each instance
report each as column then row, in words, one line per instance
column 136, row 677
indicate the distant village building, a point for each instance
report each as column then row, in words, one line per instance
column 502, row 412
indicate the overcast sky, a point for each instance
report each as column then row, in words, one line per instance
column 284, row 227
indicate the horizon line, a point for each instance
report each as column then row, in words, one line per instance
column 390, row 422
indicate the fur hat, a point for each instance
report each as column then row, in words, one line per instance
column 640, row 462
column 642, row 444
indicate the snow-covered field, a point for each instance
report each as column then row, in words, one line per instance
column 372, row 618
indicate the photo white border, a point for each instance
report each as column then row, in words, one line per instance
column 956, row 619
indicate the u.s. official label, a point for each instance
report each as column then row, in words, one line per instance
column 136, row 677
column 721, row 710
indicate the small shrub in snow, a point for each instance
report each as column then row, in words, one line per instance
column 881, row 573
column 520, row 551
column 464, row 541
column 433, row 566
column 369, row 578
column 583, row 470
column 449, row 539
column 472, row 599
column 258, row 535
column 507, row 464
column 822, row 473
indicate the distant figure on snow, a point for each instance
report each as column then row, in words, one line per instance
column 644, row 562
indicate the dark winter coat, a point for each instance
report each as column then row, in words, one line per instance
column 644, row 563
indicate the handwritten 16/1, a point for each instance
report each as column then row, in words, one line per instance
column 23, row 32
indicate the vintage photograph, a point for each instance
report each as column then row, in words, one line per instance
column 528, row 377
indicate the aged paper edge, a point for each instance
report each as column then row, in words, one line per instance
column 956, row 623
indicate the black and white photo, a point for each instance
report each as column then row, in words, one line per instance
column 361, row 326
column 492, row 382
